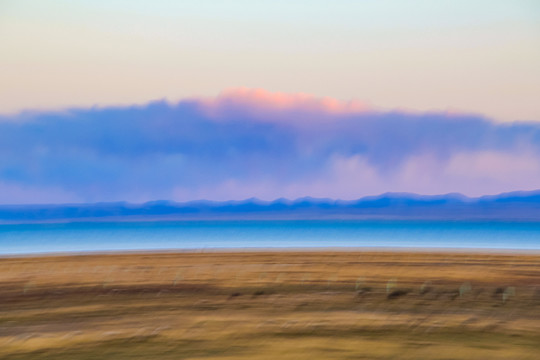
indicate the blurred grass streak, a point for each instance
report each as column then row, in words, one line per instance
column 268, row 305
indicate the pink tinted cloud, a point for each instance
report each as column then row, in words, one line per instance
column 254, row 143
column 349, row 178
column 297, row 108
column 260, row 104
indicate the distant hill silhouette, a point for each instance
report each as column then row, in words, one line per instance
column 515, row 206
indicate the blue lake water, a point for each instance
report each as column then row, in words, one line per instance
column 115, row 236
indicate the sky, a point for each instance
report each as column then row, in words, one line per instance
column 183, row 100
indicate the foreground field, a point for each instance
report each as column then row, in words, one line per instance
column 271, row 305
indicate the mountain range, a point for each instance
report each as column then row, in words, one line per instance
column 514, row 206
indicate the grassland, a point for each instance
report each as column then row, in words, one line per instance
column 271, row 305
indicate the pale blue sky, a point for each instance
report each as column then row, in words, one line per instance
column 471, row 56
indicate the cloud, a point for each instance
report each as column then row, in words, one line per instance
column 260, row 104
column 17, row 194
column 253, row 143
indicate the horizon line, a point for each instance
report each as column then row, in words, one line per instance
column 453, row 195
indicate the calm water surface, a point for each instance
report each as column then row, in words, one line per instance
column 108, row 236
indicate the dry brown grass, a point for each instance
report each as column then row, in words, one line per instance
column 269, row 305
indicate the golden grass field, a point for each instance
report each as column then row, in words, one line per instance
column 271, row 305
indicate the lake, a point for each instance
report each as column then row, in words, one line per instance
column 180, row 235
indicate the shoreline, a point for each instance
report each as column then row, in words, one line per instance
column 278, row 250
